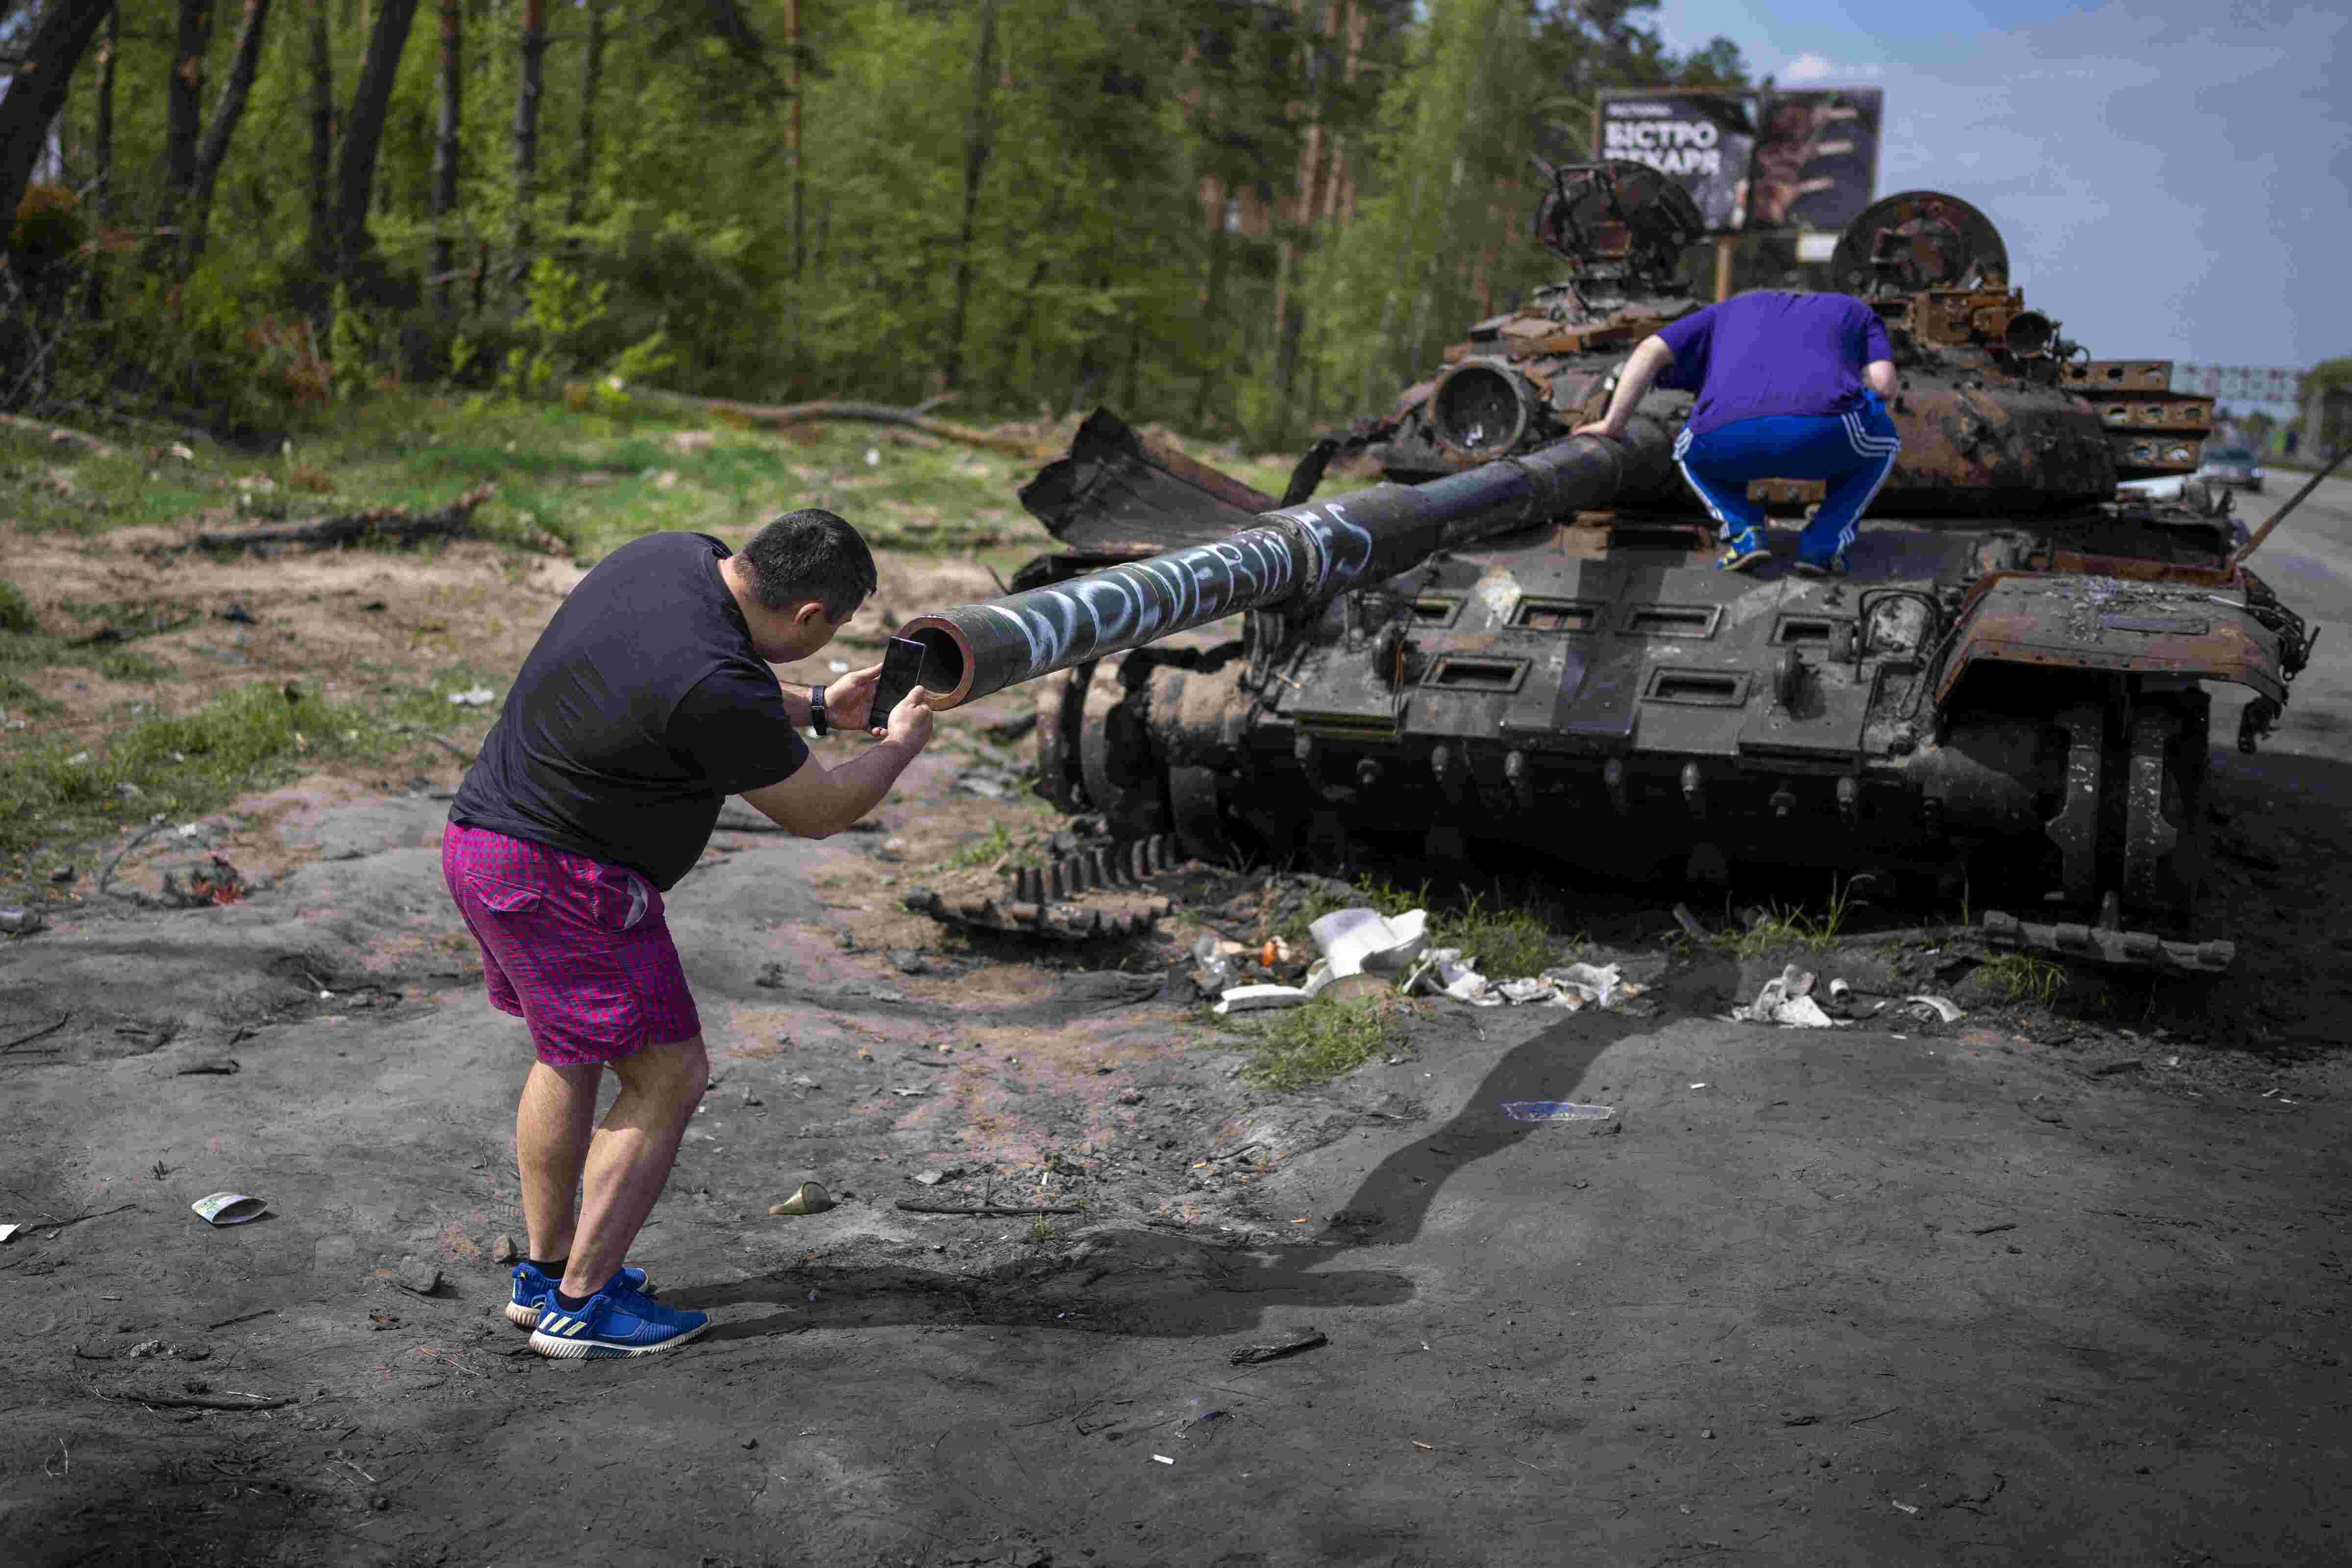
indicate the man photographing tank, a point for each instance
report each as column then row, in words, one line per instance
column 1790, row 386
column 647, row 702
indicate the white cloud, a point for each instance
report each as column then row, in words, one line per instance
column 1812, row 67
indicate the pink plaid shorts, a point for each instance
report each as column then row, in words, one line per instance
column 575, row 947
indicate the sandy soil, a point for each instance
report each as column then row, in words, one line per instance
column 2033, row 1287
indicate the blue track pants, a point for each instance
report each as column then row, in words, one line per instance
column 1852, row 453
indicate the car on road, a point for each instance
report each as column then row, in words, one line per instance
column 2231, row 466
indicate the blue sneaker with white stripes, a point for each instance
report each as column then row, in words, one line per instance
column 534, row 1292
column 1743, row 549
column 613, row 1322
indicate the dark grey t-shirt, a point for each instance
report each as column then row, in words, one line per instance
column 642, row 707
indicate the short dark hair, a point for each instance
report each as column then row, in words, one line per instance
column 810, row 554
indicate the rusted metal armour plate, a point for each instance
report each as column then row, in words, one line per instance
column 1575, row 647
column 2115, row 624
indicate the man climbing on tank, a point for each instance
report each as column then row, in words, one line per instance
column 1790, row 386
column 647, row 702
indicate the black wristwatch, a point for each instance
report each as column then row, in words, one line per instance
column 817, row 713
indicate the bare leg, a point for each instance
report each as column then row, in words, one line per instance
column 629, row 1158
column 551, row 1127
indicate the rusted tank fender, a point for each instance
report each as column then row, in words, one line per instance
column 2185, row 627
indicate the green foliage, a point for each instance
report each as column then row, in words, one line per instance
column 2025, row 977
column 1318, row 1041
column 1040, row 202
column 1501, row 940
column 998, row 844
column 1778, row 930
column 194, row 762
column 561, row 308
column 15, row 610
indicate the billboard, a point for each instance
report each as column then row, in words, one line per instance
column 2236, row 383
column 1752, row 160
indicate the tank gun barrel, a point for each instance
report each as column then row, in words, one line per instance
column 1305, row 554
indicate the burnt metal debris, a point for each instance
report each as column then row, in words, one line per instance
column 1518, row 648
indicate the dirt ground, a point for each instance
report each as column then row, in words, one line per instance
column 2039, row 1285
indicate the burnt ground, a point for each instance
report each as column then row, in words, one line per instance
column 2049, row 1282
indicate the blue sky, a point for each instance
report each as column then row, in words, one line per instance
column 2174, row 180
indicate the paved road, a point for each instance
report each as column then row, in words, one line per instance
column 2309, row 562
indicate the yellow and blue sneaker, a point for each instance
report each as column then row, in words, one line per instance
column 616, row 1321
column 1743, row 549
column 534, row 1291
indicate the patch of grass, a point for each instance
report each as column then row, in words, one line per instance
column 187, row 764
column 1318, row 1041
column 1501, row 942
column 988, row 849
column 1782, row 929
column 15, row 610
column 1041, row 1231
column 594, row 479
column 123, row 664
column 2025, row 977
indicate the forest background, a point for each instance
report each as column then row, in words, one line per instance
column 1250, row 218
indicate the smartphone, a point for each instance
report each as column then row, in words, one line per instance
column 902, row 671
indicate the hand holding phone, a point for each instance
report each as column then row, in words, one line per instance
column 902, row 669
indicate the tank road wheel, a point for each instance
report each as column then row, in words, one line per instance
column 2163, row 843
column 1115, row 758
column 2075, row 829
column 1200, row 818
column 1061, row 718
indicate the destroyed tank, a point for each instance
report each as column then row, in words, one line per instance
column 1518, row 649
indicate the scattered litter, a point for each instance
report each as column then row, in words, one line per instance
column 1163, row 1458
column 20, row 920
column 478, row 696
column 1442, row 970
column 807, row 1198
column 1786, row 1000
column 215, row 881
column 228, row 1208
column 915, row 1093
column 873, row 457
column 1699, row 1085
column 1355, row 940
column 7, row 1231
column 1905, row 1506
column 929, row 1178
column 379, row 1320
column 1840, row 991
column 1556, row 1111
column 989, row 783
column 1261, row 1353
column 1937, row 1009
column 1256, row 998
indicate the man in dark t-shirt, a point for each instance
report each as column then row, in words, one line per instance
column 647, row 702
column 1790, row 386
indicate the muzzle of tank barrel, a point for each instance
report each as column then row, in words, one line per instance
column 1304, row 553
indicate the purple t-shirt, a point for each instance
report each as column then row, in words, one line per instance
column 1773, row 352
